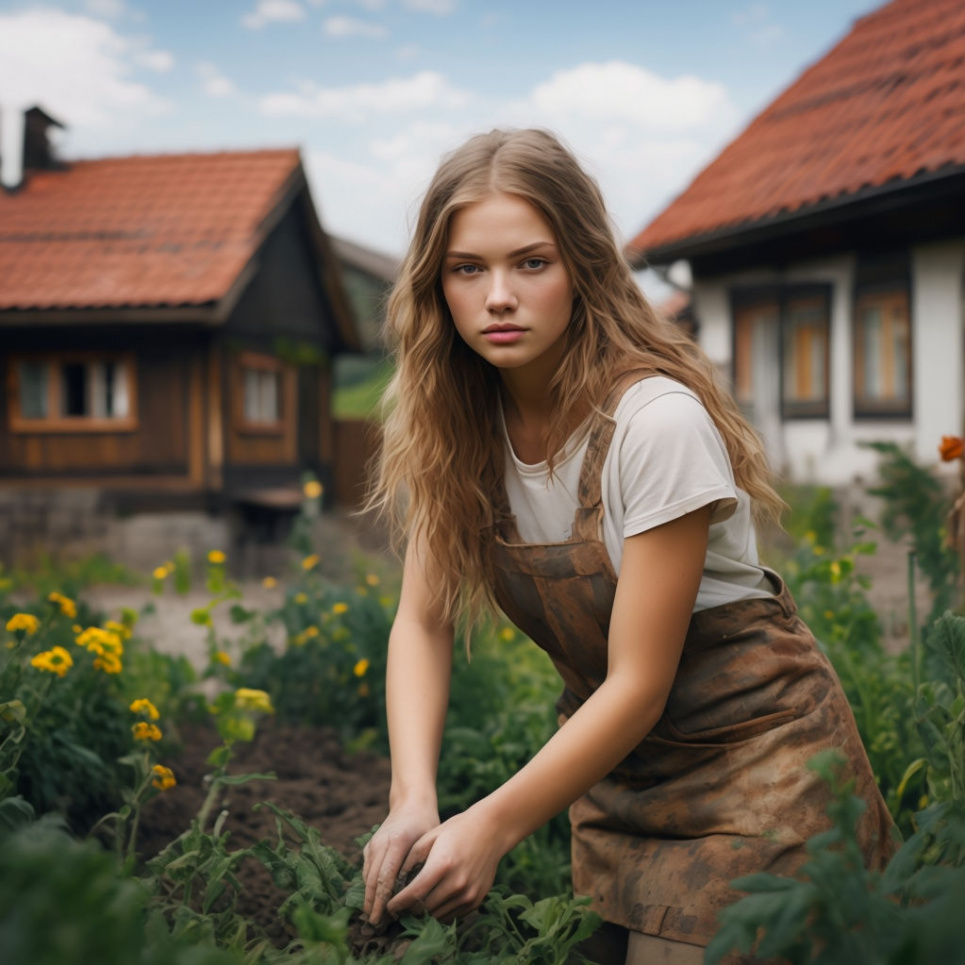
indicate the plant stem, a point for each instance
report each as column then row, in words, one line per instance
column 913, row 624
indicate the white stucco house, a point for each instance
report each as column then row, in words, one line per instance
column 826, row 245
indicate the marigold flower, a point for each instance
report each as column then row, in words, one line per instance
column 221, row 657
column 163, row 777
column 371, row 579
column 340, row 608
column 216, row 557
column 361, row 667
column 109, row 663
column 160, row 573
column 269, row 582
column 23, row 621
column 143, row 706
column 951, row 448
column 121, row 629
column 310, row 562
column 248, row 699
column 56, row 660
column 312, row 489
column 507, row 634
column 143, row 731
column 64, row 603
column 301, row 598
column 101, row 642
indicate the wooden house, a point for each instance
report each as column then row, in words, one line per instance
column 827, row 248
column 166, row 328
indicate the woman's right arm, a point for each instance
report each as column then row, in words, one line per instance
column 416, row 697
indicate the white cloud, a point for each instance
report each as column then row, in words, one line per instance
column 764, row 32
column 75, row 67
column 352, row 27
column 268, row 11
column 158, row 60
column 618, row 90
column 213, row 82
column 408, row 52
column 439, row 7
column 422, row 91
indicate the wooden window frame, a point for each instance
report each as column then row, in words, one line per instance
column 862, row 407
column 69, row 424
column 245, row 361
column 809, row 408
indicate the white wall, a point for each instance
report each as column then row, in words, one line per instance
column 828, row 451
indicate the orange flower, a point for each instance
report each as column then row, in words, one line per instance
column 952, row 447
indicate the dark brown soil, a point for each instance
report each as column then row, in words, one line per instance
column 341, row 795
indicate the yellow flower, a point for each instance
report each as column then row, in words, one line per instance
column 143, row 706
column 310, row 562
column 313, row 489
column 371, row 579
column 101, row 642
column 835, row 572
column 269, row 582
column 248, row 699
column 301, row 598
column 160, row 573
column 386, row 600
column 143, row 731
column 77, row 628
column 222, row 658
column 109, row 663
column 163, row 777
column 57, row 661
column 23, row 621
column 216, row 557
column 507, row 634
column 361, row 667
column 121, row 629
column 340, row 608
column 828, row 614
column 66, row 605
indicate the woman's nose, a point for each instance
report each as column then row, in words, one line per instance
column 500, row 297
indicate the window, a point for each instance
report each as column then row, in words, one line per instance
column 882, row 354
column 805, row 356
column 781, row 352
column 260, row 386
column 63, row 393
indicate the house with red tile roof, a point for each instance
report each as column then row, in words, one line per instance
column 167, row 324
column 827, row 248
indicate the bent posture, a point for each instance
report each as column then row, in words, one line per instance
column 555, row 449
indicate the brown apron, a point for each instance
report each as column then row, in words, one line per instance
column 719, row 787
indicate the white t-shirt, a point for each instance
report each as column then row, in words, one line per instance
column 666, row 459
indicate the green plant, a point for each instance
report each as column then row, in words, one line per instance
column 916, row 503
column 837, row 912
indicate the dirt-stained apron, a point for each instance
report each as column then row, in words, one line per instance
column 719, row 787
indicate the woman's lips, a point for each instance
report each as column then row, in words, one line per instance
column 503, row 335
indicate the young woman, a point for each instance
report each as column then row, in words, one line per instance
column 555, row 449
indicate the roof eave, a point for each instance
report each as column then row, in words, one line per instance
column 207, row 314
column 895, row 194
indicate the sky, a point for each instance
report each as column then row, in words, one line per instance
column 375, row 92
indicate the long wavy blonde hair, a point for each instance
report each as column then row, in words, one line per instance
column 441, row 459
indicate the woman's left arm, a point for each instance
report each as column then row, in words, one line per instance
column 659, row 578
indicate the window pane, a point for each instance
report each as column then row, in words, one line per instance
column 251, row 395
column 261, row 395
column 752, row 351
column 34, row 382
column 73, row 394
column 883, row 353
column 269, row 396
column 806, row 354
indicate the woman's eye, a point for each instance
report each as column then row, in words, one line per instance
column 534, row 263
column 466, row 269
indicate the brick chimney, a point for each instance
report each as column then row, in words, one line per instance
column 25, row 145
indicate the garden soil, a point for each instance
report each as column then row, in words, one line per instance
column 341, row 795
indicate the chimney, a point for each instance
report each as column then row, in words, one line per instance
column 25, row 145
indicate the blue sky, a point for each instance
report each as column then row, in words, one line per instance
column 374, row 91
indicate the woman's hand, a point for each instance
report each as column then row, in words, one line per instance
column 387, row 850
column 459, row 861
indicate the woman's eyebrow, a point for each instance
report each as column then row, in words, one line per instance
column 515, row 253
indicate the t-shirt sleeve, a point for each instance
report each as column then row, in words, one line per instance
column 672, row 462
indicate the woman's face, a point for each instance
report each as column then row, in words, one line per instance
column 508, row 292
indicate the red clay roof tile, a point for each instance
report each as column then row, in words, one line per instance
column 888, row 102
column 144, row 231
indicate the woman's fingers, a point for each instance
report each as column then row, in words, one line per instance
column 380, row 878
